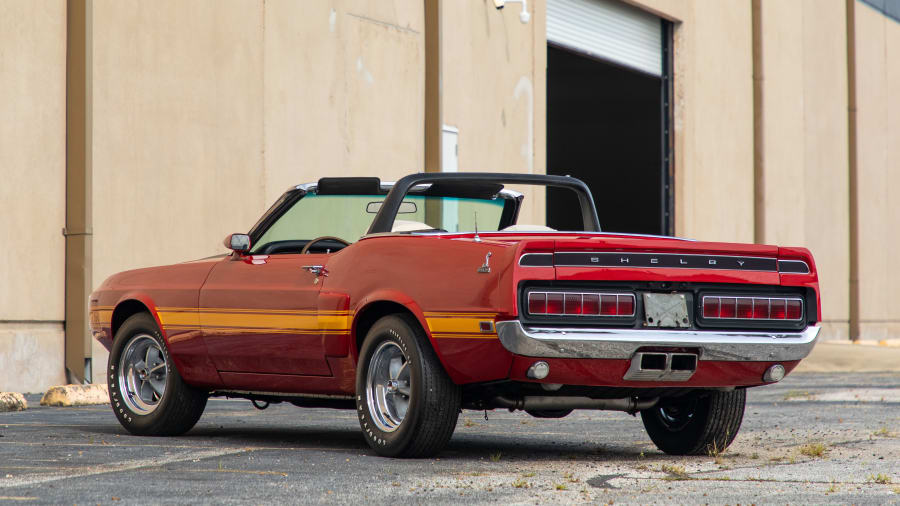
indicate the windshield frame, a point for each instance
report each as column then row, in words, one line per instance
column 512, row 204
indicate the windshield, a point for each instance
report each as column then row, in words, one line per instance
column 349, row 216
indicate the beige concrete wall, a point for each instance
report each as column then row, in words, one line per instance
column 32, row 194
column 805, row 142
column 344, row 90
column 878, row 159
column 31, row 356
column 205, row 112
column 713, row 117
column 493, row 86
column 178, row 129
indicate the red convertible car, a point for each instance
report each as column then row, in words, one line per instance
column 410, row 301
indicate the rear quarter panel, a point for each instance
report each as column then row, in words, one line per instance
column 437, row 279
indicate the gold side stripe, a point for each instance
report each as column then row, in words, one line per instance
column 292, row 321
column 438, row 335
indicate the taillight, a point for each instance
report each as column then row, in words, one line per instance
column 752, row 308
column 581, row 304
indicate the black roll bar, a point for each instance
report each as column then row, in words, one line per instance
column 384, row 220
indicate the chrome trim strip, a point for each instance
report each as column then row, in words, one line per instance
column 281, row 394
column 724, row 345
column 536, row 254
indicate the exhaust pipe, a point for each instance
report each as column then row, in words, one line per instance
column 629, row 405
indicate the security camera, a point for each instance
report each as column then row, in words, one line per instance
column 524, row 16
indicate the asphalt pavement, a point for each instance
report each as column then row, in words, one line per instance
column 813, row 438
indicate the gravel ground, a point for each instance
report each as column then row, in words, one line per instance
column 814, row 438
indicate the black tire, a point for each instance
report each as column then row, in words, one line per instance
column 433, row 400
column 696, row 426
column 174, row 411
column 549, row 413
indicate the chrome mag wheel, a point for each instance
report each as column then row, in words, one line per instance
column 142, row 374
column 388, row 386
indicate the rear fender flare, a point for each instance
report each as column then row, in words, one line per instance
column 401, row 299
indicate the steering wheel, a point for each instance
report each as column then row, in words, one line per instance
column 305, row 249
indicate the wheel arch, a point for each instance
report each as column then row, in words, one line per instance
column 373, row 311
column 130, row 306
column 384, row 304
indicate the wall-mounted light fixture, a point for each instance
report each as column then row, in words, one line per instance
column 524, row 16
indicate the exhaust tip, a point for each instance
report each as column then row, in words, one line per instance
column 774, row 374
column 653, row 362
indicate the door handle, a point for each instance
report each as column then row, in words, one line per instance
column 317, row 270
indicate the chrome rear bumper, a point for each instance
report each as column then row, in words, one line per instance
column 742, row 346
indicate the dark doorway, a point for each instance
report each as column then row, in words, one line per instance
column 605, row 126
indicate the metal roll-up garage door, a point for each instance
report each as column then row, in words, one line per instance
column 607, row 29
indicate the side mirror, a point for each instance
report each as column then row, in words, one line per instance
column 238, row 242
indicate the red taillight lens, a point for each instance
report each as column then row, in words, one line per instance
column 591, row 304
column 609, row 305
column 744, row 308
column 794, row 309
column 626, row 305
column 728, row 307
column 554, row 303
column 777, row 309
column 573, row 303
column 580, row 304
column 711, row 307
column 752, row 308
column 760, row 309
column 537, row 303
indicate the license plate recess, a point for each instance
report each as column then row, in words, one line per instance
column 666, row 310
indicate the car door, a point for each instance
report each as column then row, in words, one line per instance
column 258, row 315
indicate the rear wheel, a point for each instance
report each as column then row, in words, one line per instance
column 696, row 426
column 147, row 394
column 407, row 405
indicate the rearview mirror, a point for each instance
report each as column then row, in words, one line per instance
column 406, row 207
column 238, row 242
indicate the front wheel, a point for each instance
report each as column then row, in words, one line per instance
column 407, row 405
column 147, row 394
column 698, row 425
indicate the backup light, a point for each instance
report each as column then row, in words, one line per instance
column 752, row 308
column 581, row 304
column 774, row 373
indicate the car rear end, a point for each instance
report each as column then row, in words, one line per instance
column 660, row 312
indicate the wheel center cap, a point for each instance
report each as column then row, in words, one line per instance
column 392, row 386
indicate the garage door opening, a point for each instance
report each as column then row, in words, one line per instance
column 607, row 118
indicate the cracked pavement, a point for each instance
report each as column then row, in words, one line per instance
column 813, row 438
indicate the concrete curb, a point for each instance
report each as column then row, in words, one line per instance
column 12, row 401
column 76, row 395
